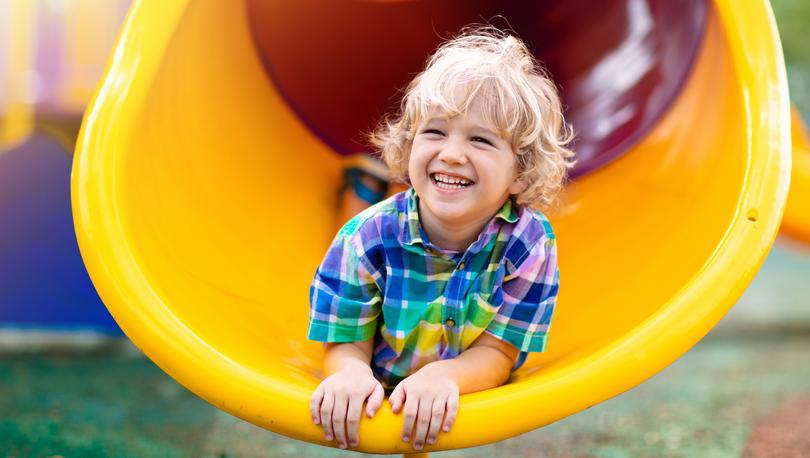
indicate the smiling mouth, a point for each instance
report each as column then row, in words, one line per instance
column 449, row 182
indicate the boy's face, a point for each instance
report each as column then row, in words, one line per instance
column 463, row 148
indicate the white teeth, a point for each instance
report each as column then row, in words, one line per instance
column 449, row 186
column 441, row 178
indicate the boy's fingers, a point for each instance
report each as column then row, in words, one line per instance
column 409, row 416
column 315, row 405
column 353, row 419
column 437, row 414
column 422, row 423
column 452, row 409
column 375, row 400
column 326, row 415
column 339, row 419
column 396, row 398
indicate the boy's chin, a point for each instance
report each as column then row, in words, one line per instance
column 449, row 213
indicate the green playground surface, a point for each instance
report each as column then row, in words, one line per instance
column 109, row 400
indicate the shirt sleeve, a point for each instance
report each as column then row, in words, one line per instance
column 345, row 299
column 529, row 296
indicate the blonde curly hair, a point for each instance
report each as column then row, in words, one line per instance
column 517, row 96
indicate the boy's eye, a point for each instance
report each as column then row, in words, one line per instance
column 475, row 139
column 482, row 139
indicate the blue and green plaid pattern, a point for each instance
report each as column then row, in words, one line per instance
column 382, row 278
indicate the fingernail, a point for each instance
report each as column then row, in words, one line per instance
column 430, row 441
column 342, row 445
column 446, row 428
column 328, row 437
column 417, row 446
column 353, row 443
column 406, row 438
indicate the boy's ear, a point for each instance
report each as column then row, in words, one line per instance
column 518, row 185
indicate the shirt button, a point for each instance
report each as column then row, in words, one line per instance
column 450, row 322
column 461, row 266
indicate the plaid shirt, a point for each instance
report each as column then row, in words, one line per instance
column 382, row 278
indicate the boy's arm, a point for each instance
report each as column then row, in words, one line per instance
column 486, row 363
column 339, row 355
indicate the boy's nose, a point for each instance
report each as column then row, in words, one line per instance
column 453, row 153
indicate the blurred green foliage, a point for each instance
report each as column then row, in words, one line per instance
column 793, row 20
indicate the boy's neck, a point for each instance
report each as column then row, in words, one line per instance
column 455, row 236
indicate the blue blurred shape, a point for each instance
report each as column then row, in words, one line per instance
column 43, row 282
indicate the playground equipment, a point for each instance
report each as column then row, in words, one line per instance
column 796, row 223
column 43, row 282
column 204, row 199
column 16, row 113
column 52, row 56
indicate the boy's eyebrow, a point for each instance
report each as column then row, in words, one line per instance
column 488, row 130
column 477, row 127
column 434, row 119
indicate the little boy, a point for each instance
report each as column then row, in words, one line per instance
column 442, row 289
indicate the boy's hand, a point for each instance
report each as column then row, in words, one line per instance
column 337, row 403
column 427, row 395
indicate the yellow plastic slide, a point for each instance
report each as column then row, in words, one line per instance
column 203, row 205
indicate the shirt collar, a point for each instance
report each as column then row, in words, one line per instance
column 413, row 233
